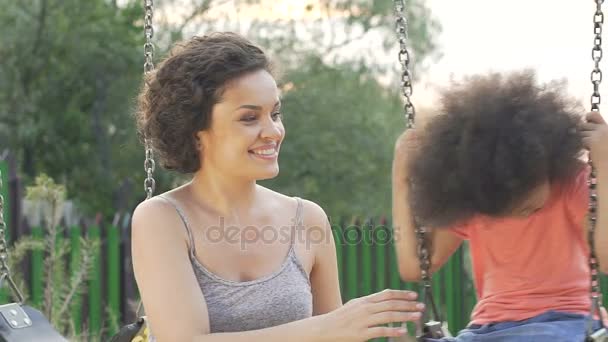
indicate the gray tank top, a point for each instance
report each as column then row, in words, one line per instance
column 281, row 297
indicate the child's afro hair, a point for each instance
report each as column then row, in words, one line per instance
column 496, row 138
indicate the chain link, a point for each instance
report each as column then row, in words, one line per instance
column 596, row 79
column 149, row 164
column 424, row 257
column 409, row 110
column 149, row 33
column 3, row 247
column 424, row 248
column 594, row 266
column 5, row 272
column 404, row 59
column 149, row 167
column 596, row 55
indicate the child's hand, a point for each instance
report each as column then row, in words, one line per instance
column 595, row 137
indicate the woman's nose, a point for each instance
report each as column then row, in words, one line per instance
column 272, row 130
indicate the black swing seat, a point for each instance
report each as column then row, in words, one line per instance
column 21, row 323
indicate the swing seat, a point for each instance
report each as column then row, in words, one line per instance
column 20, row 323
column 134, row 332
column 598, row 336
column 432, row 329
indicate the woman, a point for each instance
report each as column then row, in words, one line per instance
column 222, row 258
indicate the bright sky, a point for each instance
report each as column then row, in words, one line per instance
column 554, row 37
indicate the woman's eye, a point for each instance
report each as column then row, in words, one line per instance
column 276, row 115
column 248, row 118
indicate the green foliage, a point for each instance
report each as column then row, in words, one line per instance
column 48, row 196
column 70, row 71
column 61, row 287
column 333, row 29
column 341, row 125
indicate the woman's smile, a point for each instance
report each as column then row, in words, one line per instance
column 266, row 152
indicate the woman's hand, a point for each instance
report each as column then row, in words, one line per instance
column 361, row 319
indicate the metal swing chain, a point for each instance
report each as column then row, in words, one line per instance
column 596, row 79
column 424, row 248
column 404, row 59
column 5, row 272
column 149, row 163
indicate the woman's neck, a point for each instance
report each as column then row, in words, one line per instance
column 230, row 196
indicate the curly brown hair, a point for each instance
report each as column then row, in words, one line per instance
column 177, row 99
column 498, row 137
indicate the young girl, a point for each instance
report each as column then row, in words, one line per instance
column 502, row 168
column 222, row 258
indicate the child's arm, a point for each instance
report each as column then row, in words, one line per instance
column 601, row 229
column 595, row 138
column 444, row 242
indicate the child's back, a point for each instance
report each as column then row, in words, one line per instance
column 525, row 266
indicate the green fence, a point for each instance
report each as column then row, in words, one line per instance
column 94, row 309
column 367, row 264
column 366, row 259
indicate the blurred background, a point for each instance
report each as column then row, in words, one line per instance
column 72, row 164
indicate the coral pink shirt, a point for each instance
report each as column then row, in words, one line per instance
column 526, row 266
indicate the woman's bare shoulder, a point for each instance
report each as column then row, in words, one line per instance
column 312, row 213
column 156, row 219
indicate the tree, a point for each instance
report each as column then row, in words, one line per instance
column 341, row 121
column 71, row 69
column 327, row 28
column 341, row 125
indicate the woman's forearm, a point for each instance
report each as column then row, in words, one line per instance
column 304, row 330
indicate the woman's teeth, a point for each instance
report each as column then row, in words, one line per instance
column 267, row 152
